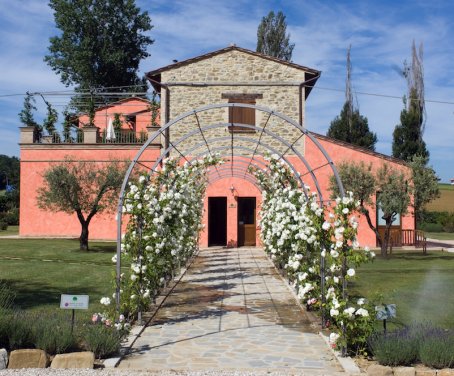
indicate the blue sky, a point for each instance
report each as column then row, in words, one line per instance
column 380, row 32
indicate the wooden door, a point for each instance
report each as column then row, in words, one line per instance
column 217, row 221
column 246, row 221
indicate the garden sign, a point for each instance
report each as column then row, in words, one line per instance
column 73, row 302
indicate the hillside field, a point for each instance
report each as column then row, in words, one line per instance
column 446, row 200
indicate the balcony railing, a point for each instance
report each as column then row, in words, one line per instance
column 123, row 136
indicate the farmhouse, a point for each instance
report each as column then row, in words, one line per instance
column 239, row 92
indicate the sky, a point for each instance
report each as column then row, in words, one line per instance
column 380, row 34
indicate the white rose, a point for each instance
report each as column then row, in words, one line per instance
column 351, row 272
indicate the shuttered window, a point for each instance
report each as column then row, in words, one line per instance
column 242, row 115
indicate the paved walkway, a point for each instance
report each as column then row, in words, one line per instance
column 232, row 311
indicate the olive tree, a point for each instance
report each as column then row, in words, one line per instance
column 84, row 188
column 390, row 186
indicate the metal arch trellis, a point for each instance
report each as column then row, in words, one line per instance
column 235, row 173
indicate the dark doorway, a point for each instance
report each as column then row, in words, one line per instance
column 246, row 221
column 217, row 221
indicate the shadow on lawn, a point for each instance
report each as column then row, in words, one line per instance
column 32, row 294
column 98, row 248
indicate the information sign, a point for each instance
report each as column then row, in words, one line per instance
column 74, row 301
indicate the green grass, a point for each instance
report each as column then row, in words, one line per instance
column 39, row 271
column 446, row 187
column 420, row 285
column 11, row 230
column 440, row 235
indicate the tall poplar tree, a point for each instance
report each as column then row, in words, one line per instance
column 407, row 136
column 272, row 39
column 351, row 126
column 100, row 45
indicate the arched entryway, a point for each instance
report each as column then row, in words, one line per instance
column 239, row 147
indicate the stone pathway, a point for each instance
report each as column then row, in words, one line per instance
column 232, row 311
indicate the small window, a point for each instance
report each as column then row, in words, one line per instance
column 242, row 115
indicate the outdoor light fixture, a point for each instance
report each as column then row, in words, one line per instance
column 232, row 189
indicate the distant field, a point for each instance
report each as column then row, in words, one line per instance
column 446, row 200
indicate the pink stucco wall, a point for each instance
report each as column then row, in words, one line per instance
column 37, row 222
column 124, row 107
column 35, row 160
column 221, row 188
column 340, row 152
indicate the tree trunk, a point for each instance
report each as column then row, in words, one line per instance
column 385, row 243
column 83, row 240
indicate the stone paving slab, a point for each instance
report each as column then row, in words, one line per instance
column 231, row 311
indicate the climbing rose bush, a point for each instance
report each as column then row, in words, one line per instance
column 165, row 214
column 297, row 233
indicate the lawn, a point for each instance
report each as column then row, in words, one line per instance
column 40, row 270
column 11, row 230
column 440, row 235
column 421, row 286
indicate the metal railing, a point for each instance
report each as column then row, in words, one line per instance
column 75, row 136
column 123, row 136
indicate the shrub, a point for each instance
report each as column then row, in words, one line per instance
column 3, row 226
column 432, row 227
column 12, row 217
column 53, row 334
column 102, row 340
column 19, row 331
column 397, row 348
column 448, row 223
column 437, row 349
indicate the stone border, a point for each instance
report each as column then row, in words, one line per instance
column 137, row 331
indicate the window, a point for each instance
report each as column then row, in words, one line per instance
column 242, row 115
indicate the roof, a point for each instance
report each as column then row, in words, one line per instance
column 155, row 75
column 360, row 149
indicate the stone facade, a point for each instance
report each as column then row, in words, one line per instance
column 232, row 72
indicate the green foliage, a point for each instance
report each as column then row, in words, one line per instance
column 407, row 136
column 52, row 333
column 100, row 45
column 26, row 114
column 357, row 178
column 117, row 123
column 437, row 349
column 51, row 119
column 272, row 39
column 431, row 227
column 398, row 348
column 432, row 346
column 3, row 226
column 357, row 132
column 101, row 340
column 9, row 171
column 84, row 188
column 391, row 184
column 425, row 183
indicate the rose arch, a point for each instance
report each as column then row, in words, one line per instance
column 303, row 232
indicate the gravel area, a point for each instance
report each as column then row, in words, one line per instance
column 114, row 372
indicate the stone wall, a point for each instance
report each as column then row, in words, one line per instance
column 234, row 72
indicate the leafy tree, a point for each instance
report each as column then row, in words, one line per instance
column 26, row 114
column 101, row 45
column 351, row 126
column 391, row 186
column 407, row 136
column 51, row 119
column 354, row 131
column 425, row 185
column 272, row 39
column 85, row 188
column 9, row 171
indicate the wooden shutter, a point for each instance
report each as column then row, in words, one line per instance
column 241, row 115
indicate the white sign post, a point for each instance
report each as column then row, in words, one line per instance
column 73, row 302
